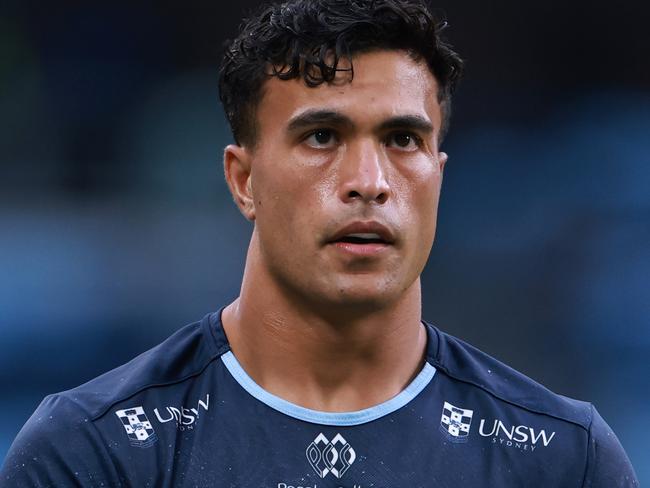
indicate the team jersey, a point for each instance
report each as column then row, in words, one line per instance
column 186, row 414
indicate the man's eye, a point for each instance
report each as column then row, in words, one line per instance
column 404, row 140
column 321, row 138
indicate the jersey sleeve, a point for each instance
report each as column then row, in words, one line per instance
column 58, row 446
column 608, row 465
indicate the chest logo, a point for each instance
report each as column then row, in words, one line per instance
column 455, row 422
column 335, row 456
column 137, row 426
column 185, row 418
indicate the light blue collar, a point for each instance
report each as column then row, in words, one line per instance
column 328, row 418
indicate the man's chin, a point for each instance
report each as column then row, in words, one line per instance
column 360, row 297
column 350, row 293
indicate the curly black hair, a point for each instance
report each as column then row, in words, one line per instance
column 308, row 38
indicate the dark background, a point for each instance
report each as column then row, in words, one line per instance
column 116, row 227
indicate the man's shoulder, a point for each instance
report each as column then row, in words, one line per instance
column 182, row 356
column 511, row 403
column 71, row 428
column 464, row 363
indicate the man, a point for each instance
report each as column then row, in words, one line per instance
column 322, row 373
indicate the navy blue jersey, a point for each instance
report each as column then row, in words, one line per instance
column 185, row 414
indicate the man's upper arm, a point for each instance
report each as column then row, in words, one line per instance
column 58, row 446
column 608, row 465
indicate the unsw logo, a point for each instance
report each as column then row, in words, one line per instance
column 519, row 436
column 456, row 422
column 184, row 417
column 335, row 456
column 138, row 426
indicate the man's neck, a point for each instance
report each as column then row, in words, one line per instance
column 324, row 361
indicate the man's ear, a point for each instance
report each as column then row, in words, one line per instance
column 442, row 159
column 237, row 169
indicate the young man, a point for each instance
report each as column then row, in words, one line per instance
column 322, row 374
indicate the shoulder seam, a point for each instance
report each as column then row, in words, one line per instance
column 154, row 385
column 218, row 352
column 439, row 365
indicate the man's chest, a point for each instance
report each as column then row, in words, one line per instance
column 248, row 445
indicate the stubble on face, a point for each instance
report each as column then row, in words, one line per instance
column 306, row 191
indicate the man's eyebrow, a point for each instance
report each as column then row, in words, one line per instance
column 413, row 122
column 310, row 118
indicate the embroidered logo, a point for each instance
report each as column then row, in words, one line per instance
column 185, row 418
column 137, row 426
column 455, row 422
column 334, row 457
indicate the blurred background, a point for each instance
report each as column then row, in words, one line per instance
column 116, row 227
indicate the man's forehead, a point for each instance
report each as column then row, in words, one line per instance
column 384, row 84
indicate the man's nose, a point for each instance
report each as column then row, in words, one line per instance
column 362, row 174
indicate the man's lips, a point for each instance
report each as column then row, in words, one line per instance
column 368, row 233
column 361, row 250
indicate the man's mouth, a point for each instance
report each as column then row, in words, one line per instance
column 362, row 238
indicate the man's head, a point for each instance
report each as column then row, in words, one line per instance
column 337, row 159
column 315, row 39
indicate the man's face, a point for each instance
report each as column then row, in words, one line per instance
column 345, row 180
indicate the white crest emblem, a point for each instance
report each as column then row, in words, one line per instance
column 137, row 426
column 455, row 422
column 330, row 457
